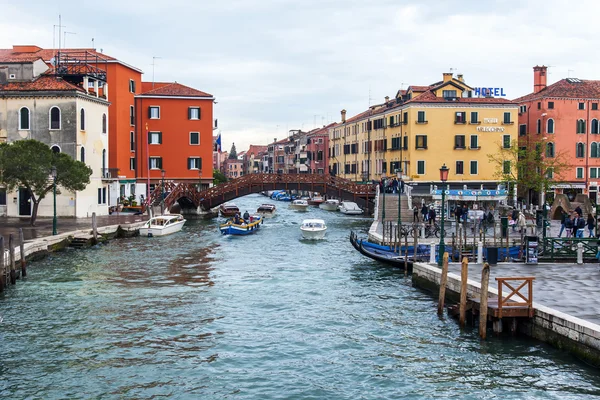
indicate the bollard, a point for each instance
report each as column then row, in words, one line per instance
column 479, row 253
column 464, row 276
column 423, row 231
column 483, row 305
column 2, row 265
column 432, row 253
column 443, row 282
column 11, row 249
column 579, row 253
column 22, row 251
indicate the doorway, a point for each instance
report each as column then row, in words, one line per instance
column 24, row 202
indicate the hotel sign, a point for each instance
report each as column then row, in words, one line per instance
column 490, row 128
column 489, row 91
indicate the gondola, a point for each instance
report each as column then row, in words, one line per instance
column 388, row 257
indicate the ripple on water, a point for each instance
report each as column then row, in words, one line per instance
column 198, row 315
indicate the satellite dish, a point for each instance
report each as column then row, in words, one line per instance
column 53, row 61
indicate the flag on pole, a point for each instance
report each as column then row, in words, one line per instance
column 218, row 143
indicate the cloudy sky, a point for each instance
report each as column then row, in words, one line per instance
column 276, row 65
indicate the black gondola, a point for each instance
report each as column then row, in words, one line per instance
column 387, row 257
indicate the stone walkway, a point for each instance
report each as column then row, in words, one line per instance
column 569, row 288
column 43, row 226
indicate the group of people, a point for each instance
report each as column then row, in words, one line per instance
column 392, row 185
column 428, row 214
column 574, row 224
column 239, row 221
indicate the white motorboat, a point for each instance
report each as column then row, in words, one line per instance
column 266, row 210
column 330, row 205
column 313, row 229
column 350, row 208
column 300, row 205
column 162, row 225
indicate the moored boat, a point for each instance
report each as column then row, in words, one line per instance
column 300, row 205
column 242, row 227
column 162, row 225
column 313, row 229
column 228, row 210
column 266, row 210
column 350, row 208
column 315, row 200
column 330, row 205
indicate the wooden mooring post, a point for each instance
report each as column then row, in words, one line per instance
column 483, row 304
column 443, row 283
column 11, row 249
column 415, row 241
column 406, row 255
column 22, row 252
column 94, row 228
column 2, row 265
column 464, row 274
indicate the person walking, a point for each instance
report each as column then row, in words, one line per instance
column 401, row 186
column 580, row 226
column 424, row 212
column 569, row 226
column 431, row 216
column 514, row 216
column 394, row 185
column 415, row 213
column 521, row 222
column 590, row 225
column 563, row 220
column 458, row 213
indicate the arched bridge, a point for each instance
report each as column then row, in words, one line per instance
column 187, row 194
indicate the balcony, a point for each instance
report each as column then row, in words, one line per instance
column 109, row 174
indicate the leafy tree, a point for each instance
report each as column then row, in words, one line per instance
column 233, row 152
column 28, row 164
column 218, row 177
column 533, row 168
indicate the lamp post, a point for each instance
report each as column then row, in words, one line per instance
column 443, row 177
column 162, row 192
column 399, row 175
column 53, row 172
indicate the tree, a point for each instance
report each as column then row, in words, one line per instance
column 533, row 168
column 28, row 164
column 232, row 152
column 218, row 177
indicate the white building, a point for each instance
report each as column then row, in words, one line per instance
column 68, row 111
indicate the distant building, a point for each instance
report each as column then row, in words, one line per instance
column 318, row 150
column 253, row 159
column 66, row 108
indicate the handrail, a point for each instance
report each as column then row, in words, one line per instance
column 508, row 302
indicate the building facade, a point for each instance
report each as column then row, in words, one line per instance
column 58, row 108
column 563, row 119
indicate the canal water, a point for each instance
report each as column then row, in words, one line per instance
column 269, row 316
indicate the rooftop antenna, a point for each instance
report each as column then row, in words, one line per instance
column 65, row 37
column 60, row 26
column 452, row 70
column 93, row 46
column 153, row 64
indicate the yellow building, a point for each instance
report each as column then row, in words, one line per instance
column 421, row 129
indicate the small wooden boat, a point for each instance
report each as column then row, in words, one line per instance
column 266, row 210
column 228, row 210
column 241, row 228
column 313, row 229
column 315, row 201
column 300, row 205
column 162, row 225
column 350, row 208
column 330, row 205
column 388, row 257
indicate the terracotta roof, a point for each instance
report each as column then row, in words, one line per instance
column 320, row 131
column 255, row 149
column 147, row 86
column 32, row 53
column 430, row 97
column 43, row 82
column 418, row 88
column 173, row 89
column 569, row 88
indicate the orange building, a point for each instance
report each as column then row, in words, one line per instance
column 564, row 117
column 174, row 134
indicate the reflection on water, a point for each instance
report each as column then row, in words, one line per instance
column 199, row 315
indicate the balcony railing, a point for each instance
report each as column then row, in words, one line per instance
column 109, row 173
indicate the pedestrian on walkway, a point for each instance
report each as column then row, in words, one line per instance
column 415, row 213
column 431, row 216
column 394, row 185
column 521, row 222
column 569, row 226
column 458, row 213
column 401, row 186
column 590, row 225
column 424, row 211
column 514, row 217
column 579, row 225
column 563, row 220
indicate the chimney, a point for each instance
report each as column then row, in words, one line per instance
column 539, row 78
column 387, row 98
column 460, row 77
column 343, row 116
column 447, row 76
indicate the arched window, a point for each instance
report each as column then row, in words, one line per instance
column 82, row 154
column 55, row 149
column 55, row 118
column 82, row 120
column 550, row 126
column 24, row 119
column 579, row 150
column 594, row 150
column 580, row 126
column 104, row 122
column 594, row 126
column 549, row 149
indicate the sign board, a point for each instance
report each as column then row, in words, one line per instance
column 489, row 91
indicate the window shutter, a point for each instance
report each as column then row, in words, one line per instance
column 160, row 163
column 189, row 113
column 149, row 137
column 159, row 137
column 189, row 163
column 425, row 141
column 133, row 86
column 200, row 115
column 149, row 112
column 200, row 163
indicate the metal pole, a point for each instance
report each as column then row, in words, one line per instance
column 162, row 194
column 442, row 245
column 54, row 232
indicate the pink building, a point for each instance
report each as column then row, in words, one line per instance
column 318, row 148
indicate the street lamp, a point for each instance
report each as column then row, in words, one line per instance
column 162, row 192
column 399, row 175
column 53, row 172
column 443, row 177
